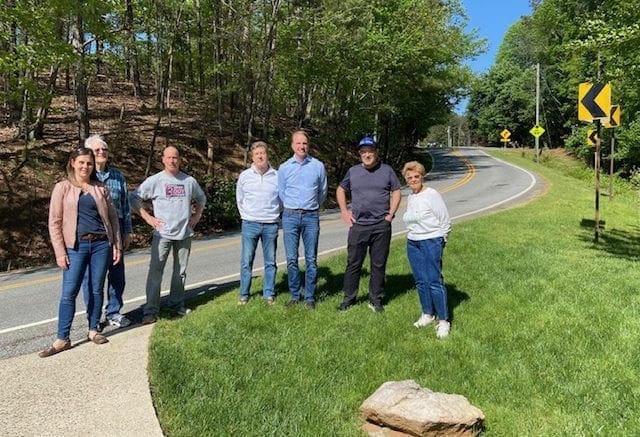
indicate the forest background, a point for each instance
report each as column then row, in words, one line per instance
column 211, row 76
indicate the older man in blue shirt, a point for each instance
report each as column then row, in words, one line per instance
column 302, row 187
column 259, row 206
column 117, row 185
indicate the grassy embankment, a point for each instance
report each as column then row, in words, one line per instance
column 544, row 337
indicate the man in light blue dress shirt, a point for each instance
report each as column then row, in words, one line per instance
column 302, row 187
column 259, row 206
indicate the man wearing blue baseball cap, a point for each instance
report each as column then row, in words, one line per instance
column 374, row 190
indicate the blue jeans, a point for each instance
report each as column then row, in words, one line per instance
column 96, row 256
column 160, row 248
column 425, row 257
column 294, row 226
column 115, row 287
column 252, row 232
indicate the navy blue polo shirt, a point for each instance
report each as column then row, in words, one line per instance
column 370, row 192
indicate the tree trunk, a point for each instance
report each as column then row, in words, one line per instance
column 217, row 59
column 26, row 114
column 11, row 79
column 165, row 84
column 199, row 60
column 251, row 105
column 270, row 51
column 133, row 71
column 210, row 161
column 80, row 82
column 43, row 110
column 98, row 57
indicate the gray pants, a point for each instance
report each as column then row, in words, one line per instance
column 160, row 248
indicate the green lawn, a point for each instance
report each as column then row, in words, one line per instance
column 544, row 333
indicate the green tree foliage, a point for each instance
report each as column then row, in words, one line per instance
column 389, row 67
column 574, row 41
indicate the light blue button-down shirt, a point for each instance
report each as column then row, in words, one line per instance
column 302, row 185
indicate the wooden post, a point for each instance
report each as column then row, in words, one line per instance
column 613, row 143
column 597, row 175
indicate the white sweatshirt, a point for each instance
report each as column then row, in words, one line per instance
column 426, row 216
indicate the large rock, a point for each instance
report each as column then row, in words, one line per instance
column 406, row 407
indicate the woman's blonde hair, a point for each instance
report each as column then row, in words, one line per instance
column 413, row 166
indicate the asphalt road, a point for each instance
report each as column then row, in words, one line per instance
column 470, row 181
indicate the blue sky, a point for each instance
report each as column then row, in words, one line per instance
column 492, row 19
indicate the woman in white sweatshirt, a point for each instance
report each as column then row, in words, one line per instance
column 428, row 222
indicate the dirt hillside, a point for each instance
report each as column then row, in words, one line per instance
column 29, row 171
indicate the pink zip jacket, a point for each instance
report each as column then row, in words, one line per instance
column 63, row 215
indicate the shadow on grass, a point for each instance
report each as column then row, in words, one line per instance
column 328, row 284
column 621, row 244
column 397, row 285
column 193, row 298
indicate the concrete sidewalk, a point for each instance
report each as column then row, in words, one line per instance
column 89, row 390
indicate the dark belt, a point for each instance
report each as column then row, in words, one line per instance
column 94, row 237
column 300, row 211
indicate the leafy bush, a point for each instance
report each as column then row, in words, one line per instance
column 221, row 210
column 576, row 143
column 628, row 147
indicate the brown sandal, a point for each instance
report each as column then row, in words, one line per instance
column 98, row 339
column 52, row 350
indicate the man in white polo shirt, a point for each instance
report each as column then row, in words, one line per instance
column 259, row 206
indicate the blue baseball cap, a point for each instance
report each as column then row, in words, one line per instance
column 367, row 142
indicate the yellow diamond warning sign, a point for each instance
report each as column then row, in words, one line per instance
column 537, row 130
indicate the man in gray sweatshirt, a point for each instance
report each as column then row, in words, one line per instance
column 178, row 202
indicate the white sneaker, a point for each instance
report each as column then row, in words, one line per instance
column 424, row 320
column 443, row 328
column 183, row 311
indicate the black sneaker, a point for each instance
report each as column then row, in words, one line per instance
column 291, row 303
column 149, row 319
column 343, row 307
column 310, row 305
column 376, row 308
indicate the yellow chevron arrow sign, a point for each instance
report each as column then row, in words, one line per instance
column 614, row 117
column 594, row 101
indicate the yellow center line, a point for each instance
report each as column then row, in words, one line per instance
column 236, row 240
column 58, row 276
column 471, row 172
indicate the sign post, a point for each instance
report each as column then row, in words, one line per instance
column 594, row 105
column 614, row 121
column 505, row 137
column 596, row 236
column 536, row 131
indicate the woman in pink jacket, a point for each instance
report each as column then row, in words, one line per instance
column 84, row 230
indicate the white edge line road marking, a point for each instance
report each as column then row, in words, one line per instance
column 515, row 196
